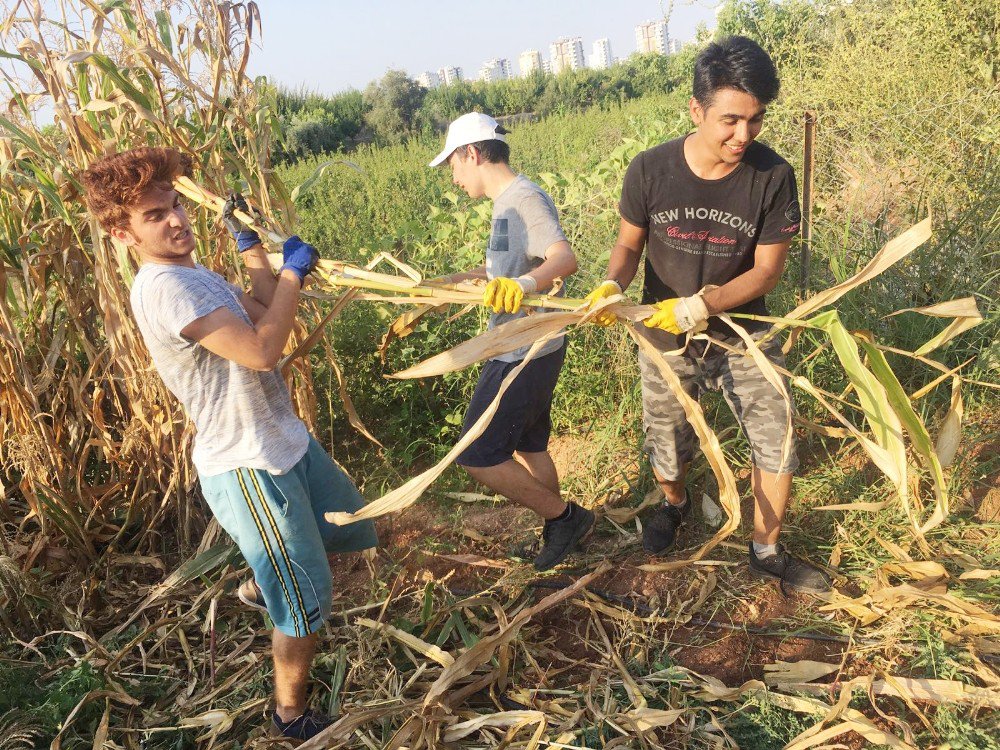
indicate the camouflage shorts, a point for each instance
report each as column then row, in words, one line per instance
column 762, row 412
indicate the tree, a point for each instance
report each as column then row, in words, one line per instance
column 392, row 105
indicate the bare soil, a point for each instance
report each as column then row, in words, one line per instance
column 473, row 553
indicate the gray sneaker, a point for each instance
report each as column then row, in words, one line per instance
column 793, row 572
column 559, row 538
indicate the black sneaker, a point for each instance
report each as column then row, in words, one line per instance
column 559, row 538
column 305, row 727
column 660, row 531
column 792, row 572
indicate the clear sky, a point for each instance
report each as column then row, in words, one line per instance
column 335, row 45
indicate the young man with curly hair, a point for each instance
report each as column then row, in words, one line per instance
column 715, row 212
column 217, row 347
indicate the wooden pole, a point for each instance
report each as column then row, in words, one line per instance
column 807, row 189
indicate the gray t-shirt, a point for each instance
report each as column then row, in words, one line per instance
column 525, row 225
column 244, row 418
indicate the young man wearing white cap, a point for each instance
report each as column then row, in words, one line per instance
column 526, row 253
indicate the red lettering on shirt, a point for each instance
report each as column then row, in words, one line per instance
column 702, row 235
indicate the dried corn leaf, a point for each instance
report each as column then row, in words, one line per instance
column 892, row 252
column 923, row 690
column 644, row 719
column 494, row 342
column 772, row 376
column 432, row 652
column 950, row 436
column 483, row 650
column 965, row 314
column 805, row 670
column 410, row 492
column 501, row 719
column 979, row 574
column 918, row 570
column 725, row 480
column 406, row 324
column 860, row 724
column 217, row 719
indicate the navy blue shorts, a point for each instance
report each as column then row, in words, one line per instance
column 522, row 421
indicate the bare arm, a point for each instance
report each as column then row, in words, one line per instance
column 768, row 265
column 263, row 281
column 559, row 263
column 257, row 346
column 626, row 254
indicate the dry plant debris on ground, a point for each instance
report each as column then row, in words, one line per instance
column 445, row 637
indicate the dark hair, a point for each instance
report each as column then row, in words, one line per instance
column 493, row 151
column 116, row 184
column 735, row 62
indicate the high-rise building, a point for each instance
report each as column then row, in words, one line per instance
column 429, row 80
column 651, row 36
column 495, row 69
column 601, row 58
column 449, row 75
column 673, row 46
column 566, row 53
column 546, row 66
column 529, row 61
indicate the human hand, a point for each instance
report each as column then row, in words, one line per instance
column 606, row 289
column 244, row 236
column 678, row 314
column 505, row 295
column 300, row 258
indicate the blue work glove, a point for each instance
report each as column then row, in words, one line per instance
column 244, row 236
column 300, row 258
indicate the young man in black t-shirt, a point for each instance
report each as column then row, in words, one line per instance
column 714, row 209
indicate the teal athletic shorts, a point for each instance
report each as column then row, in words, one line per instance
column 277, row 522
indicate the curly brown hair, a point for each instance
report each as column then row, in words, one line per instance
column 117, row 183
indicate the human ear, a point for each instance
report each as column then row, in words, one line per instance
column 124, row 236
column 697, row 113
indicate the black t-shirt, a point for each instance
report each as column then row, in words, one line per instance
column 706, row 231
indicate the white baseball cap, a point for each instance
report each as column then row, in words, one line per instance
column 470, row 128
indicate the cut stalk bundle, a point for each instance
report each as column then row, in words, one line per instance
column 881, row 400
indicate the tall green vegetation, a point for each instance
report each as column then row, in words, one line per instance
column 905, row 127
column 396, row 107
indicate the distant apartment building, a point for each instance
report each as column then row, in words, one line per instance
column 566, row 53
column 601, row 57
column 495, row 69
column 529, row 61
column 546, row 66
column 448, row 76
column 651, row 36
column 429, row 80
column 673, row 46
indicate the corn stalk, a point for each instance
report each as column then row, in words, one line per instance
column 90, row 439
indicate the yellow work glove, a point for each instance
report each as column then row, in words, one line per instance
column 678, row 314
column 607, row 289
column 504, row 295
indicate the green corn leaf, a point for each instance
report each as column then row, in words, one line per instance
column 163, row 28
column 920, row 439
column 872, row 396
